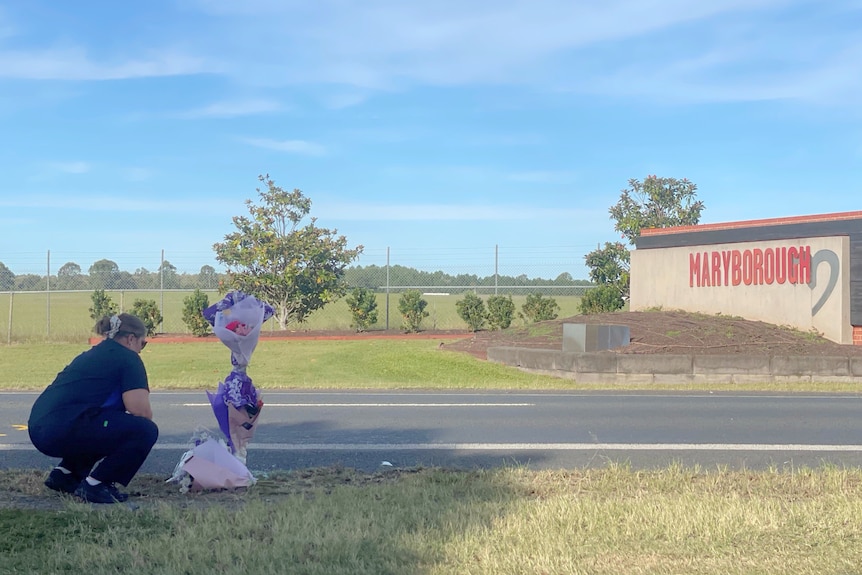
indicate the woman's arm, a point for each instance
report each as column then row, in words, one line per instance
column 137, row 402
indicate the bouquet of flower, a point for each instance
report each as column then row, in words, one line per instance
column 237, row 320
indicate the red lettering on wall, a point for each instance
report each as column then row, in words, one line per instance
column 746, row 267
column 757, row 267
column 804, row 276
column 705, row 276
column 792, row 265
column 694, row 269
column 716, row 268
column 768, row 266
column 735, row 268
column 781, row 265
column 725, row 260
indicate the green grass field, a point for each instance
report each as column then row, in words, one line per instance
column 65, row 316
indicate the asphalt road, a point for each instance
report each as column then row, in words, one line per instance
column 541, row 430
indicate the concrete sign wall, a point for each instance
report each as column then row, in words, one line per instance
column 800, row 271
column 800, row 283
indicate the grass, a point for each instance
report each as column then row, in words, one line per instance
column 370, row 364
column 432, row 521
column 336, row 364
column 64, row 316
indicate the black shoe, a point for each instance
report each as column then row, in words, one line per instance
column 62, row 482
column 101, row 493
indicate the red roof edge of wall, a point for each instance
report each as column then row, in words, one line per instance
column 754, row 223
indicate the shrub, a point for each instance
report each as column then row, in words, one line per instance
column 193, row 306
column 412, row 309
column 148, row 311
column 102, row 305
column 363, row 308
column 539, row 308
column 471, row 309
column 501, row 311
column 601, row 299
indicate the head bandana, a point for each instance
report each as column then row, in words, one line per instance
column 115, row 326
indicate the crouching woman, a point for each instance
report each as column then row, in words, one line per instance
column 97, row 410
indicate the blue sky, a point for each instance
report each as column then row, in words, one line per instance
column 436, row 129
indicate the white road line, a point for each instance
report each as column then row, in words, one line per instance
column 376, row 404
column 510, row 447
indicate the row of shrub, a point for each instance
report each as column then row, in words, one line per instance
column 498, row 312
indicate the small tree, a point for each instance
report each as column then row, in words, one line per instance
column 501, row 311
column 601, row 299
column 295, row 268
column 412, row 309
column 472, row 310
column 148, row 311
column 539, row 308
column 102, row 305
column 609, row 266
column 193, row 307
column 363, row 308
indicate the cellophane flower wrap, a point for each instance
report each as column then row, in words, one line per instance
column 237, row 320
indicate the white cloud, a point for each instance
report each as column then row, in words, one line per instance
column 116, row 203
column 71, row 167
column 678, row 50
column 233, row 109
column 302, row 147
column 74, row 63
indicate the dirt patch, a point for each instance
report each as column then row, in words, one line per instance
column 668, row 332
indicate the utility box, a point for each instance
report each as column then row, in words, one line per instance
column 585, row 337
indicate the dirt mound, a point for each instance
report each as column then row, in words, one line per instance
column 668, row 332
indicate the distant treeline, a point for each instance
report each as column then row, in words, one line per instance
column 105, row 274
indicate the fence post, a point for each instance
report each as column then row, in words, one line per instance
column 496, row 266
column 48, row 297
column 162, row 291
column 9, row 327
column 387, row 288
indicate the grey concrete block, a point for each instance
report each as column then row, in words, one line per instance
column 856, row 366
column 658, row 364
column 808, row 365
column 731, row 364
column 595, row 362
column 586, row 338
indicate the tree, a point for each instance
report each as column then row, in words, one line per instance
column 148, row 311
column 102, row 305
column 501, row 311
column 193, row 307
column 609, row 266
column 207, row 278
column 472, row 310
column 69, row 276
column 103, row 274
column 7, row 278
column 296, row 269
column 169, row 278
column 363, row 308
column 539, row 308
column 412, row 306
column 656, row 203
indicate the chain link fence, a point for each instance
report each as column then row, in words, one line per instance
column 56, row 304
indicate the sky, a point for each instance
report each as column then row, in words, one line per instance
column 443, row 135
